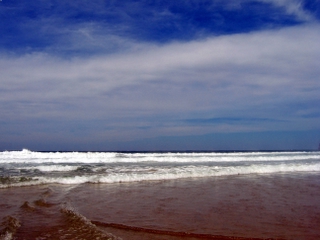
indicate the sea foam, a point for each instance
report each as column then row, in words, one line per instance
column 113, row 167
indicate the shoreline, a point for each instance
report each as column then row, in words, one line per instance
column 184, row 235
column 256, row 207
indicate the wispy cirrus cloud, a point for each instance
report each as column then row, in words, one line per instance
column 293, row 7
column 101, row 27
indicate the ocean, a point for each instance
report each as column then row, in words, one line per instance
column 159, row 195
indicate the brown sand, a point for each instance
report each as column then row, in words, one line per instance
column 234, row 207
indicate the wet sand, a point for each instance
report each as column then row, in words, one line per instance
column 277, row 206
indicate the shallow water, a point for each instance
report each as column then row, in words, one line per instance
column 282, row 205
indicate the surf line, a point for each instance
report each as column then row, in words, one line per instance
column 173, row 233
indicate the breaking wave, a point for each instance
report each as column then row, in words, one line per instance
column 21, row 168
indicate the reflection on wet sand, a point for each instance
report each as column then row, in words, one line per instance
column 233, row 207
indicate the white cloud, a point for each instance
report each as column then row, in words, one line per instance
column 293, row 7
column 255, row 74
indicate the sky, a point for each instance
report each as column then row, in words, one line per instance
column 128, row 75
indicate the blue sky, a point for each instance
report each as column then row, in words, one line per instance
column 159, row 75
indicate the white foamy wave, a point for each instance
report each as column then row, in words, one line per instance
column 173, row 173
column 27, row 168
column 26, row 156
column 54, row 168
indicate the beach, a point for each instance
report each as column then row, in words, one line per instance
column 259, row 206
column 160, row 120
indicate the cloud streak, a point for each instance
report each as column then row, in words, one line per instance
column 294, row 7
column 103, row 27
column 253, row 75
